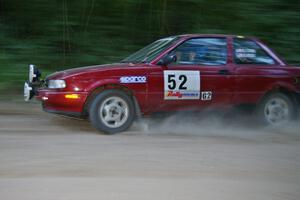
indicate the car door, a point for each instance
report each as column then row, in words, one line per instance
column 201, row 77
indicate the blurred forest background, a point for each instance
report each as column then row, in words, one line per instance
column 60, row 34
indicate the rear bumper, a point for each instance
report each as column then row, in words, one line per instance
column 297, row 95
column 56, row 102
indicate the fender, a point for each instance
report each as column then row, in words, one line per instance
column 281, row 86
column 102, row 82
column 139, row 98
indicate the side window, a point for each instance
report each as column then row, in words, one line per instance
column 249, row 52
column 202, row 51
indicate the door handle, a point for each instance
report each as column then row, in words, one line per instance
column 224, row 72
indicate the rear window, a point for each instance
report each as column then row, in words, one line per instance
column 249, row 52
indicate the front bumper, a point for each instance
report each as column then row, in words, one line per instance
column 56, row 102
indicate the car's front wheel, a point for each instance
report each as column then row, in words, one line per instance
column 276, row 109
column 112, row 111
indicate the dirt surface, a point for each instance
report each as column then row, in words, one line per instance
column 45, row 157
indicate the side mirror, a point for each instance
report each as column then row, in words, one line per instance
column 167, row 60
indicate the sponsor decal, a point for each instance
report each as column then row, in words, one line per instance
column 174, row 94
column 182, row 95
column 133, row 79
column 245, row 53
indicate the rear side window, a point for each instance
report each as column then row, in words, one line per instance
column 249, row 52
column 202, row 51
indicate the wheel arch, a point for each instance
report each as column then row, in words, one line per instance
column 101, row 88
column 281, row 89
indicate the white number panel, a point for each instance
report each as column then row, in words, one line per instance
column 179, row 84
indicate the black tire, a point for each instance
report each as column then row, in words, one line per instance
column 282, row 113
column 98, row 113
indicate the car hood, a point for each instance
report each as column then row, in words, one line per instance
column 82, row 70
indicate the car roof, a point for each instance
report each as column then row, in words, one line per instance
column 213, row 35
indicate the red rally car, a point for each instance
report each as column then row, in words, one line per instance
column 186, row 72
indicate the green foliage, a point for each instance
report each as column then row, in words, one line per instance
column 60, row 34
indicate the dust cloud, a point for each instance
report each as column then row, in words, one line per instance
column 215, row 123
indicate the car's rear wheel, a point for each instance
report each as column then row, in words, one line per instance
column 275, row 109
column 112, row 111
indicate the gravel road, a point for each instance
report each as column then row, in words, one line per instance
column 46, row 157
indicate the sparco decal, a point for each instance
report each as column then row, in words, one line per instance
column 133, row 79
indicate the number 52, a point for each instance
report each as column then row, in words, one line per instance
column 172, row 82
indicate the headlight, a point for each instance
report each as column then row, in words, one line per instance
column 56, row 84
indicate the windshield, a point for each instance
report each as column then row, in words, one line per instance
column 149, row 52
